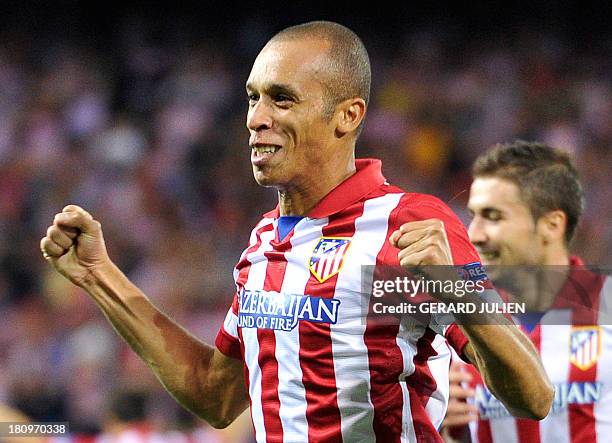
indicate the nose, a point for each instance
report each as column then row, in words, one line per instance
column 477, row 231
column 259, row 117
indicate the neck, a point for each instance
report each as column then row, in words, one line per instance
column 556, row 255
column 539, row 286
column 298, row 201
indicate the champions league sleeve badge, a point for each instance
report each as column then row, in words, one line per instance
column 328, row 257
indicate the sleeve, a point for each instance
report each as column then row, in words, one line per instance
column 461, row 247
column 457, row 339
column 228, row 341
column 423, row 207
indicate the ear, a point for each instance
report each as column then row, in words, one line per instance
column 552, row 225
column 350, row 114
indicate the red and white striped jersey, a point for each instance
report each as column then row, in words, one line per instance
column 576, row 349
column 318, row 368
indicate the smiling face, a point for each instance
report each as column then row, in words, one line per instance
column 503, row 229
column 291, row 133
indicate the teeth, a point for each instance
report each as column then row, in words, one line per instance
column 265, row 149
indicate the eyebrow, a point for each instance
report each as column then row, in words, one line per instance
column 274, row 88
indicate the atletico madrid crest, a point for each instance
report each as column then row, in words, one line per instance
column 328, row 257
column 585, row 346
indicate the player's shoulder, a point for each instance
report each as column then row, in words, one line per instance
column 413, row 199
column 266, row 223
column 418, row 206
column 266, row 219
column 417, row 199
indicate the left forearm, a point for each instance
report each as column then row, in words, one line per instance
column 504, row 356
column 510, row 366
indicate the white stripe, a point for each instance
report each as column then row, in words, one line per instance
column 406, row 346
column 408, row 434
column 594, row 346
column 503, row 430
column 438, row 366
column 603, row 409
column 253, row 236
column 329, row 261
column 255, row 281
column 351, row 362
column 291, row 392
column 555, row 354
column 230, row 324
column 338, row 258
column 605, row 303
column 252, row 240
column 320, row 266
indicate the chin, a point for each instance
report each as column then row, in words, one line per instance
column 265, row 180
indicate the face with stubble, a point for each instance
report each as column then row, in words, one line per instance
column 290, row 133
column 503, row 229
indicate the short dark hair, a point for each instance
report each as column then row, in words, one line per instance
column 546, row 177
column 349, row 63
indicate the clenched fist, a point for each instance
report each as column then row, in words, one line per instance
column 422, row 243
column 74, row 244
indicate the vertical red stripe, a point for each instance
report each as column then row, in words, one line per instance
column 582, row 417
column 244, row 265
column 385, row 357
column 528, row 431
column 421, row 385
column 316, row 354
column 270, row 401
column 243, row 268
column 247, row 378
column 481, row 429
column 484, row 432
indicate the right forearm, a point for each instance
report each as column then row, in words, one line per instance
column 201, row 378
column 180, row 361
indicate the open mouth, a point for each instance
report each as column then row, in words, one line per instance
column 260, row 154
column 268, row 149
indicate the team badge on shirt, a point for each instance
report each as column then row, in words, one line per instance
column 585, row 346
column 328, row 257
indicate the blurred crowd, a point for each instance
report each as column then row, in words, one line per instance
column 150, row 137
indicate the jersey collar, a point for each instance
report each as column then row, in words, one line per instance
column 367, row 178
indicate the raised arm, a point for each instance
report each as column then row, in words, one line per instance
column 504, row 356
column 199, row 376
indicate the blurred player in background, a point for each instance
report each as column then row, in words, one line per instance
column 526, row 201
column 294, row 343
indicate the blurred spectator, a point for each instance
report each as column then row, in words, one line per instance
column 145, row 128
